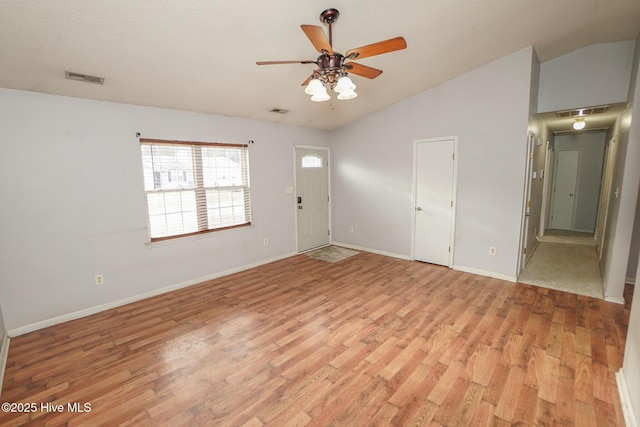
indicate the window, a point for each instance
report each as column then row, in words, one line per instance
column 312, row 161
column 210, row 192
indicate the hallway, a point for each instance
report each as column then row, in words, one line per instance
column 567, row 262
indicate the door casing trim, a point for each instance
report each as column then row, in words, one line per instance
column 295, row 190
column 453, row 195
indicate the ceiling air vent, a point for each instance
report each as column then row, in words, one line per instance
column 279, row 111
column 71, row 75
column 583, row 111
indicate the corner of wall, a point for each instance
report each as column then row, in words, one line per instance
column 4, row 349
column 625, row 400
column 634, row 71
column 535, row 83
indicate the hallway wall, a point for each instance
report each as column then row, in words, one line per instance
column 623, row 202
column 594, row 75
column 634, row 252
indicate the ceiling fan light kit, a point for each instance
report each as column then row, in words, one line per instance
column 332, row 71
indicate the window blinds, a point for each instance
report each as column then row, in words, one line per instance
column 195, row 187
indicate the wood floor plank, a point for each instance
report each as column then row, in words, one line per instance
column 507, row 404
column 370, row 340
column 525, row 411
column 584, row 379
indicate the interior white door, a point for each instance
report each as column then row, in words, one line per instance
column 434, row 212
column 312, row 198
column 564, row 194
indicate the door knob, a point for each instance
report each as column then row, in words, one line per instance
column 418, row 208
column 299, row 206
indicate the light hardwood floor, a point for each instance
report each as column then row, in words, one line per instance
column 370, row 340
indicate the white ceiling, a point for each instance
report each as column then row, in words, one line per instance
column 199, row 55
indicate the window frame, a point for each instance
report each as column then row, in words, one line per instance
column 199, row 189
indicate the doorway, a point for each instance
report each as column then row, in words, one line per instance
column 527, row 232
column 312, row 197
column 434, row 211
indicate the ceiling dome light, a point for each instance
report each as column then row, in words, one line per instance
column 321, row 95
column 344, row 84
column 347, row 94
column 315, row 86
column 579, row 124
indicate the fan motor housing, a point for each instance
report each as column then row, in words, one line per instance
column 330, row 61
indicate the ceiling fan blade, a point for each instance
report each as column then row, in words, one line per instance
column 306, row 82
column 379, row 48
column 362, row 70
column 317, row 37
column 285, row 62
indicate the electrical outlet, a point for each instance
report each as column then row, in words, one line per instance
column 492, row 250
column 265, row 242
column 351, row 229
column 99, row 279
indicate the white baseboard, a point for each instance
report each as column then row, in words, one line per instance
column 4, row 353
column 373, row 251
column 630, row 281
column 99, row 308
column 408, row 258
column 616, row 300
column 577, row 230
column 625, row 400
column 486, row 273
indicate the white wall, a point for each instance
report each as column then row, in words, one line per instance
column 631, row 363
column 626, row 180
column 2, row 327
column 4, row 348
column 488, row 109
column 634, row 252
column 591, row 147
column 594, row 75
column 73, row 204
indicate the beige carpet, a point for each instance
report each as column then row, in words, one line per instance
column 331, row 254
column 565, row 267
column 562, row 236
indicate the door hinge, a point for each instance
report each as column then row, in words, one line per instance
column 452, row 203
column 531, row 155
column 524, row 251
column 449, row 248
column 453, row 156
column 328, row 232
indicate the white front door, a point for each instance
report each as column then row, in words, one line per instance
column 434, row 201
column 564, row 193
column 312, row 197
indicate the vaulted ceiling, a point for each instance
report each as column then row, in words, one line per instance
column 200, row 55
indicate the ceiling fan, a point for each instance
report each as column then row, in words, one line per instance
column 332, row 69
